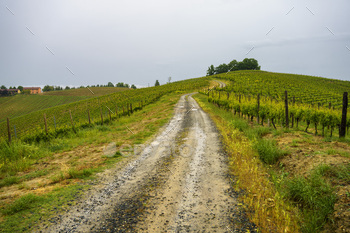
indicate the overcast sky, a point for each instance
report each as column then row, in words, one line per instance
column 71, row 42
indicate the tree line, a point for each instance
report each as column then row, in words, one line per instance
column 110, row 84
column 246, row 64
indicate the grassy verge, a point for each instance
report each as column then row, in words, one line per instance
column 266, row 206
column 309, row 175
column 41, row 180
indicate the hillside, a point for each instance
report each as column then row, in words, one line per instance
column 18, row 105
column 97, row 91
column 306, row 89
column 280, row 177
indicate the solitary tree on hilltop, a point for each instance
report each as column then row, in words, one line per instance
column 157, row 83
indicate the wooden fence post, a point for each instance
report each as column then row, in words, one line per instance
column 45, row 124
column 88, row 111
column 286, row 104
column 101, row 115
column 71, row 118
column 342, row 129
column 9, row 129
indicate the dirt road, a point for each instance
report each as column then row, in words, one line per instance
column 177, row 183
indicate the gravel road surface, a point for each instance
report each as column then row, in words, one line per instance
column 179, row 182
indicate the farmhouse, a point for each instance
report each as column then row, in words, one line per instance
column 33, row 90
column 9, row 91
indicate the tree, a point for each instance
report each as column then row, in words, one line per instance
column 4, row 92
column 248, row 64
column 211, row 70
column 48, row 88
column 20, row 88
column 27, row 91
column 10, row 87
column 67, row 88
column 169, row 79
column 157, row 83
column 232, row 66
column 223, row 68
column 110, row 84
column 3, row 87
column 120, row 84
column 133, row 86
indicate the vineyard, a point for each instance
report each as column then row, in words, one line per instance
column 304, row 89
column 49, row 121
column 315, row 101
column 90, row 92
column 15, row 106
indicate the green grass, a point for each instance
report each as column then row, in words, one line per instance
column 268, row 150
column 23, row 203
column 18, row 156
column 9, row 180
column 315, row 196
column 80, row 174
column 28, row 211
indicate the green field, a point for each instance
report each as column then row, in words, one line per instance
column 18, row 105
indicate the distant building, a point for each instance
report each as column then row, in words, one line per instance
column 33, row 90
column 5, row 92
